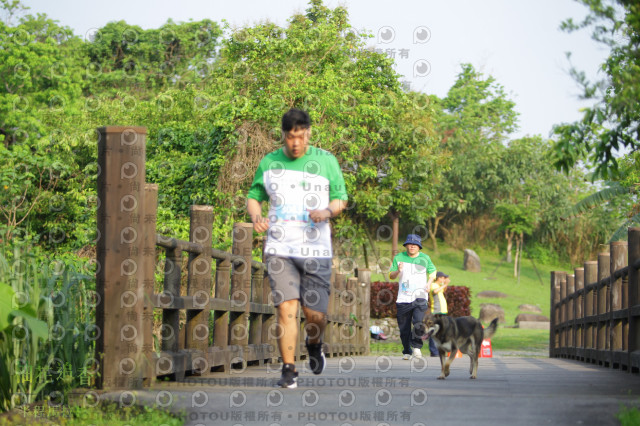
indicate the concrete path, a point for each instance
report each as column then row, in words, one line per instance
column 385, row 390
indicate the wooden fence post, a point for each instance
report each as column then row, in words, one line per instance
column 338, row 312
column 119, row 253
column 170, row 331
column 269, row 324
column 364, row 278
column 590, row 278
column 241, row 288
column 571, row 325
column 351, row 301
column 579, row 309
column 199, row 280
column 221, row 316
column 600, row 309
column 554, row 340
column 329, row 331
column 617, row 322
column 563, row 315
column 149, row 254
column 634, row 300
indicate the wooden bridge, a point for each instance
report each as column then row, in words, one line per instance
column 217, row 332
column 595, row 312
column 219, row 317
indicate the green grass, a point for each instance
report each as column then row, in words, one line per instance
column 532, row 288
column 45, row 309
column 521, row 340
column 105, row 414
column 628, row 416
column 507, row 341
column 495, row 275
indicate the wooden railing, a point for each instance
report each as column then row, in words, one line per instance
column 595, row 312
column 219, row 317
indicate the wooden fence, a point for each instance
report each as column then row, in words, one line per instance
column 219, row 316
column 595, row 312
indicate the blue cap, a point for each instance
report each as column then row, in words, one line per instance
column 413, row 239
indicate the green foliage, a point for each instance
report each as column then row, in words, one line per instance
column 628, row 416
column 103, row 414
column 45, row 327
column 517, row 218
column 126, row 58
column 384, row 143
column 612, row 123
column 475, row 119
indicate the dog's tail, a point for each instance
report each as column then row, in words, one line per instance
column 491, row 330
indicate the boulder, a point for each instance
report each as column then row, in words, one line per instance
column 531, row 318
column 535, row 325
column 489, row 311
column 488, row 294
column 471, row 261
column 530, row 308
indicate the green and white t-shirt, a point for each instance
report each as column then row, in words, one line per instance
column 412, row 281
column 293, row 188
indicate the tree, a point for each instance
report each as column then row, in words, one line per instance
column 613, row 122
column 125, row 59
column 517, row 220
column 384, row 142
column 474, row 121
column 41, row 85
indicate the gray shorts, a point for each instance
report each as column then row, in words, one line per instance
column 304, row 279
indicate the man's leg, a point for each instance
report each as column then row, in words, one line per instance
column 288, row 324
column 432, row 347
column 403, row 316
column 284, row 278
column 314, row 325
column 315, row 288
column 417, row 317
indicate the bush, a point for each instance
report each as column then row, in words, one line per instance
column 458, row 301
column 383, row 299
column 384, row 295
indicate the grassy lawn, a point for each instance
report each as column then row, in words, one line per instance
column 532, row 288
column 507, row 341
column 496, row 275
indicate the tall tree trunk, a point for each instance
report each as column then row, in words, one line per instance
column 517, row 258
column 376, row 253
column 509, row 236
column 433, row 230
column 395, row 221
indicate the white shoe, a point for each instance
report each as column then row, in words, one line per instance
column 406, row 357
column 416, row 353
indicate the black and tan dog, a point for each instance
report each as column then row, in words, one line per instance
column 451, row 334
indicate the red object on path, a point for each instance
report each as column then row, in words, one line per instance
column 485, row 350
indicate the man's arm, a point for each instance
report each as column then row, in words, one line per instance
column 432, row 278
column 398, row 268
column 394, row 274
column 440, row 288
column 334, row 209
column 254, row 208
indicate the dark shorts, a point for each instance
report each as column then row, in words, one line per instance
column 304, row 279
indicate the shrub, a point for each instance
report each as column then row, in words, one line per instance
column 384, row 295
column 383, row 299
column 458, row 301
